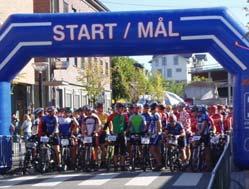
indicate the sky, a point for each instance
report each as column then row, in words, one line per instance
column 236, row 7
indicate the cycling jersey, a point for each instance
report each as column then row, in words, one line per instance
column 91, row 123
column 153, row 124
column 184, row 118
column 200, row 119
column 50, row 124
column 147, row 118
column 193, row 121
column 176, row 129
column 119, row 122
column 65, row 126
column 137, row 123
column 218, row 122
column 164, row 119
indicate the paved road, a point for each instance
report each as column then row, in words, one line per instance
column 99, row 180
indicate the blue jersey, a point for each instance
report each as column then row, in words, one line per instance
column 50, row 124
column 153, row 123
column 147, row 118
column 200, row 119
column 64, row 126
column 175, row 130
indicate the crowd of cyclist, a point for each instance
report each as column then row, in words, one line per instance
column 155, row 120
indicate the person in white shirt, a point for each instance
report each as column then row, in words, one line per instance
column 26, row 127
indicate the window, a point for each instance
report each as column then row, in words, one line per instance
column 164, row 61
column 156, row 61
column 65, row 7
column 84, row 100
column 76, row 101
column 176, row 60
column 68, row 100
column 55, row 6
column 169, row 73
column 178, row 69
column 75, row 62
column 106, row 68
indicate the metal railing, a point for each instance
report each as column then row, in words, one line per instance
column 220, row 176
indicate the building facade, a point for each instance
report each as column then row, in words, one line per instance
column 204, row 65
column 172, row 67
column 61, row 85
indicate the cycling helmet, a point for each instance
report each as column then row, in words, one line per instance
column 51, row 109
column 146, row 106
column 119, row 105
column 194, row 109
column 168, row 107
column 153, row 106
column 161, row 106
column 38, row 110
column 182, row 105
column 68, row 110
column 88, row 108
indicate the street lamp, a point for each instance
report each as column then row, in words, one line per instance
column 40, row 67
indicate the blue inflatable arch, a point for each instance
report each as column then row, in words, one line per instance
column 212, row 30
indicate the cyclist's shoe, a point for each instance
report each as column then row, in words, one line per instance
column 157, row 168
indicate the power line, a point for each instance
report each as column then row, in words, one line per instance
column 150, row 5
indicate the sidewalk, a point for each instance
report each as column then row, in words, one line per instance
column 239, row 180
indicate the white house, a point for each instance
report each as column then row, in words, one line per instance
column 175, row 67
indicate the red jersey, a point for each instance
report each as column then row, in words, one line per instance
column 194, row 122
column 218, row 122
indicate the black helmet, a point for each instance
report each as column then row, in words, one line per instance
column 153, row 105
column 68, row 110
column 119, row 105
column 88, row 108
column 146, row 105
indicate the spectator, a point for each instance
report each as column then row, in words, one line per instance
column 26, row 126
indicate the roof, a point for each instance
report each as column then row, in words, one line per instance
column 98, row 5
column 200, row 57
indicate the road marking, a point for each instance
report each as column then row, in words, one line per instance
column 99, row 179
column 188, row 179
column 56, row 180
column 143, row 179
column 15, row 181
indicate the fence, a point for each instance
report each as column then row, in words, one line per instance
column 18, row 150
column 220, row 177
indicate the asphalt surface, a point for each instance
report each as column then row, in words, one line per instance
column 111, row 180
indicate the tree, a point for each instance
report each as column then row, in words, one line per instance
column 175, row 87
column 94, row 80
column 157, row 86
column 128, row 81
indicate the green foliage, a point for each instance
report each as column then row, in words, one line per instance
column 92, row 78
column 175, row 87
column 156, row 86
column 198, row 78
column 128, row 82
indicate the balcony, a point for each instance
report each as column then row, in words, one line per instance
column 205, row 68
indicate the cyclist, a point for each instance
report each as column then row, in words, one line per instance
column 154, row 129
column 184, row 119
column 68, row 127
column 163, row 115
column 50, row 127
column 39, row 113
column 217, row 119
column 103, row 131
column 147, row 117
column 204, row 126
column 118, row 125
column 176, row 128
column 90, row 127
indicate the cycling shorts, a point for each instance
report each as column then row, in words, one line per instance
column 120, row 148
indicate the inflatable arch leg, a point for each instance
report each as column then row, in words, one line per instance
column 5, row 121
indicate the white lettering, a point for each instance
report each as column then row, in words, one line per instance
column 84, row 32
column 171, row 33
column 71, row 29
column 110, row 29
column 160, row 29
column 59, row 34
column 97, row 29
column 145, row 32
